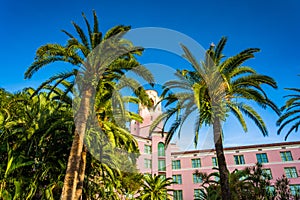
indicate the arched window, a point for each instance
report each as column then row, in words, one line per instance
column 161, row 149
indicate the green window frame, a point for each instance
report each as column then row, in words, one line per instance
column 196, row 163
column 214, row 161
column 198, row 194
column 161, row 165
column 147, row 149
column 197, row 178
column 239, row 159
column 177, row 178
column 161, row 149
column 163, row 176
column 267, row 173
column 291, row 172
column 262, row 158
column 295, row 189
column 177, row 195
column 176, row 164
column 286, row 156
column 147, row 163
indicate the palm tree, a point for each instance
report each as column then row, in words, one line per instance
column 282, row 188
column 215, row 88
column 34, row 133
column 155, row 187
column 291, row 115
column 94, row 58
column 240, row 186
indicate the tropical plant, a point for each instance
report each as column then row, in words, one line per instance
column 32, row 129
column 98, row 60
column 261, row 182
column 213, row 89
column 155, row 187
column 110, row 175
column 249, row 183
column 282, row 189
column 240, row 186
column 291, row 114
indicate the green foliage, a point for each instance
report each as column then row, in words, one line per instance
column 291, row 112
column 36, row 134
column 282, row 189
column 155, row 188
column 249, row 183
column 99, row 65
column 215, row 88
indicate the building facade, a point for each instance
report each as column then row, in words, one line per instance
column 277, row 159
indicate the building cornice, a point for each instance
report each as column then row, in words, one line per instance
column 239, row 148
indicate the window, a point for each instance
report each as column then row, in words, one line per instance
column 262, row 158
column 147, row 163
column 197, row 194
column 163, row 176
column 295, row 189
column 176, row 164
column 177, row 178
column 239, row 160
column 271, row 190
column 161, row 165
column 197, row 178
column 161, row 149
column 290, row 172
column 214, row 162
column 177, row 195
column 286, row 156
column 196, row 163
column 217, row 178
column 267, row 173
column 147, row 149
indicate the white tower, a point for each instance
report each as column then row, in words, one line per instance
column 148, row 114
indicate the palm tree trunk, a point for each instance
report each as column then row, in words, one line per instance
column 75, row 158
column 81, row 174
column 225, row 189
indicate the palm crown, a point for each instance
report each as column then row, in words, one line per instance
column 99, row 63
column 212, row 89
column 216, row 87
column 291, row 113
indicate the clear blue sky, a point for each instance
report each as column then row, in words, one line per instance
column 271, row 25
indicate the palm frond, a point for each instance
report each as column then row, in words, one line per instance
column 255, row 117
column 81, row 35
column 238, row 114
column 67, row 33
column 235, row 61
column 219, row 49
column 96, row 24
column 286, row 122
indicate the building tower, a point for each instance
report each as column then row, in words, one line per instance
column 154, row 158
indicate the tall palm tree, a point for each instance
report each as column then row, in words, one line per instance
column 291, row 115
column 213, row 89
column 155, row 187
column 95, row 58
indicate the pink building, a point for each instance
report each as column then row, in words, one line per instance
column 277, row 159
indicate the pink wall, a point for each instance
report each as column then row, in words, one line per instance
column 141, row 133
column 273, row 152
